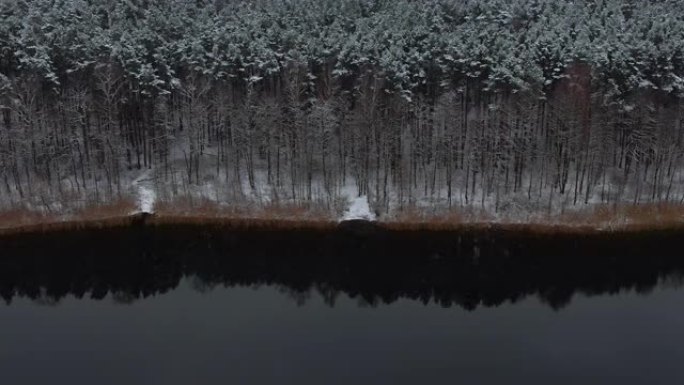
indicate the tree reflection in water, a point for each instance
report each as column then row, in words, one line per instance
column 467, row 269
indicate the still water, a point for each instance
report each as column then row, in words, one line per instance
column 128, row 310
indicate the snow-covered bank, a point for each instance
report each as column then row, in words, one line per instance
column 237, row 197
column 359, row 209
column 212, row 202
column 145, row 193
column 146, row 198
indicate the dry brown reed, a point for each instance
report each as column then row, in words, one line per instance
column 236, row 223
column 22, row 219
column 282, row 217
column 656, row 214
column 210, row 209
column 119, row 208
column 592, row 219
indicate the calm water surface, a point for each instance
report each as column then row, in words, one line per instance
column 177, row 323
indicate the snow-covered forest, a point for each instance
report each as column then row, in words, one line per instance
column 507, row 105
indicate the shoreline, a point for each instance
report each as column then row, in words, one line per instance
column 246, row 223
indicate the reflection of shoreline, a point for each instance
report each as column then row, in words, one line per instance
column 467, row 269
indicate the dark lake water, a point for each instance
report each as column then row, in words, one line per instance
column 186, row 306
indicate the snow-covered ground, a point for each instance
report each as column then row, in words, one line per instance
column 340, row 198
column 358, row 209
column 144, row 189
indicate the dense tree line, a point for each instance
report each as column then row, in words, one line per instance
column 537, row 104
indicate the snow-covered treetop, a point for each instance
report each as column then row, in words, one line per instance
column 416, row 46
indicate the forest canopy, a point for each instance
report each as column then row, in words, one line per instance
column 417, row 46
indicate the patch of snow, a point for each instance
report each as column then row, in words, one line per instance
column 254, row 79
column 146, row 199
column 359, row 209
column 262, row 190
column 145, row 192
